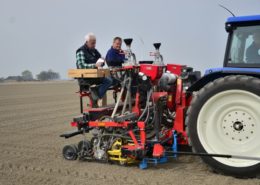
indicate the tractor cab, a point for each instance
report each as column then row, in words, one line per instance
column 243, row 46
column 242, row 56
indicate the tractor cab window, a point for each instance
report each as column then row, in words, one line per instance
column 245, row 46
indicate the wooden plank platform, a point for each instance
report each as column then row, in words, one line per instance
column 88, row 73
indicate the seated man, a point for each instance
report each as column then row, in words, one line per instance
column 253, row 51
column 115, row 56
column 87, row 57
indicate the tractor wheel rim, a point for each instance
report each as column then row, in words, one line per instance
column 228, row 123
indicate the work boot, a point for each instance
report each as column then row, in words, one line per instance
column 94, row 96
column 94, row 103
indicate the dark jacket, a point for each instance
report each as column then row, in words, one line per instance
column 115, row 58
column 91, row 55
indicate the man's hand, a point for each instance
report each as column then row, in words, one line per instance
column 100, row 62
column 123, row 52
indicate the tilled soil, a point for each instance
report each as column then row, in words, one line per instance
column 33, row 115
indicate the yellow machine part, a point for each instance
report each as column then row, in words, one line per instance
column 116, row 155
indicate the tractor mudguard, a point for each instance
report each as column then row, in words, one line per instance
column 215, row 73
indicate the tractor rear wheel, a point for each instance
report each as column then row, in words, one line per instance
column 224, row 118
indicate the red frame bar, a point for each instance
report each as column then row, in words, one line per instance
column 181, row 104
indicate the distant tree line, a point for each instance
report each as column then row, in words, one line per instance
column 48, row 75
column 28, row 76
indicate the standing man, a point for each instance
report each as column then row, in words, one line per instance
column 115, row 56
column 87, row 57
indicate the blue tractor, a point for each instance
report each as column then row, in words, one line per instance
column 224, row 115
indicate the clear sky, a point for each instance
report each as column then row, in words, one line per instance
column 44, row 34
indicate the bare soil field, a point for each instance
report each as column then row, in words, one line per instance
column 33, row 115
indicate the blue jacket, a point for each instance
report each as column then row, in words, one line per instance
column 114, row 58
